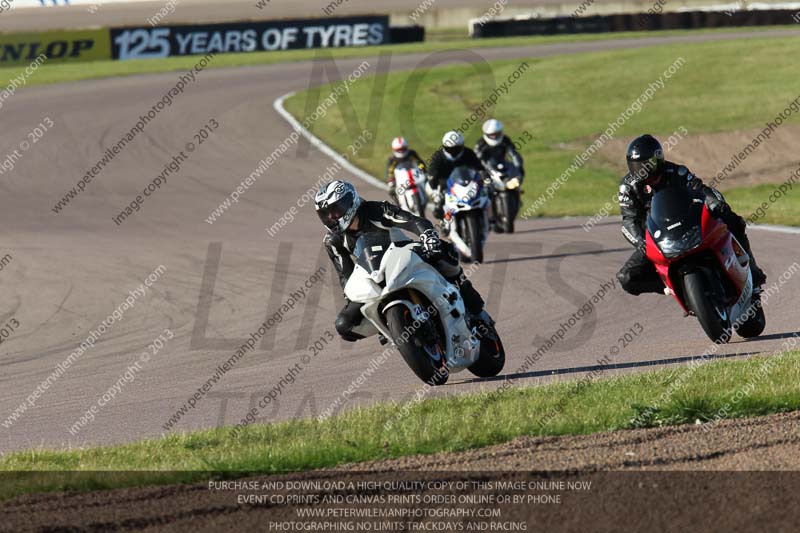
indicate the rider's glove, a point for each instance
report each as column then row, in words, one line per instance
column 715, row 204
column 431, row 243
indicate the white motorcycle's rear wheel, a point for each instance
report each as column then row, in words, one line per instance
column 492, row 358
column 420, row 349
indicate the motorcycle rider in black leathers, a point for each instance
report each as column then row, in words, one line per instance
column 496, row 147
column 450, row 156
column 401, row 153
column 649, row 172
column 347, row 217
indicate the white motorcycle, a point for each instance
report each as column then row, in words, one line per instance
column 410, row 188
column 466, row 220
column 410, row 303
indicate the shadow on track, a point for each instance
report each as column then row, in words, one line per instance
column 774, row 336
column 556, row 228
column 591, row 368
column 556, row 256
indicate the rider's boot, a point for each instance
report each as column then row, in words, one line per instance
column 759, row 277
column 450, row 268
column 472, row 299
column 478, row 320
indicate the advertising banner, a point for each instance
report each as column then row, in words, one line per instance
column 181, row 40
column 59, row 46
column 687, row 20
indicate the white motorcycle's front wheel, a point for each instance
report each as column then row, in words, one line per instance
column 469, row 228
column 413, row 204
column 419, row 344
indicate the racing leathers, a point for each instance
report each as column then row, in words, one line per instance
column 440, row 169
column 639, row 275
column 504, row 151
column 381, row 216
column 490, row 156
column 392, row 163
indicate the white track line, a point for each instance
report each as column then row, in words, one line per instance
column 372, row 180
column 324, row 148
column 776, row 229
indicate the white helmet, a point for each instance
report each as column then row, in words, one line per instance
column 337, row 203
column 493, row 132
column 399, row 147
column 453, row 144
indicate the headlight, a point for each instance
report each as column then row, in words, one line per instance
column 688, row 241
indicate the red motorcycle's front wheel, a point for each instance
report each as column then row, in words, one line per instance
column 711, row 314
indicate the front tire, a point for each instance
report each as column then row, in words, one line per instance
column 701, row 300
column 417, row 205
column 473, row 236
column 509, row 211
column 416, row 349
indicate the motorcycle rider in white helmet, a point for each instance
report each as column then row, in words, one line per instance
column 401, row 153
column 347, row 217
column 451, row 155
column 496, row 147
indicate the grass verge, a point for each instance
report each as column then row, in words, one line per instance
column 566, row 102
column 438, row 41
column 446, row 424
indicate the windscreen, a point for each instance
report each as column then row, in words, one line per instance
column 673, row 211
column 674, row 221
column 370, row 248
column 405, row 165
column 463, row 176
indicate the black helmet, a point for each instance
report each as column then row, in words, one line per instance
column 645, row 159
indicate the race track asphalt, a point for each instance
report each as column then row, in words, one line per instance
column 69, row 271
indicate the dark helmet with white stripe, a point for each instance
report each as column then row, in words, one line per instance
column 337, row 203
column 645, row 159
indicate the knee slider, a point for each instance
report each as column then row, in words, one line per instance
column 624, row 278
column 343, row 326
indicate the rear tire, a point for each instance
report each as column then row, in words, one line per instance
column 755, row 326
column 700, row 299
column 472, row 237
column 492, row 358
column 413, row 350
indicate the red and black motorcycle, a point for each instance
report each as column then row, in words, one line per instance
column 703, row 265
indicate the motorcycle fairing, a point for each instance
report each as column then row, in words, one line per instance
column 716, row 241
column 403, row 270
